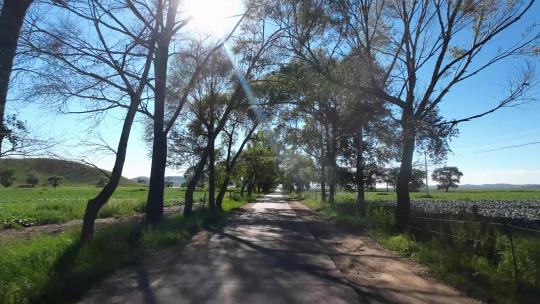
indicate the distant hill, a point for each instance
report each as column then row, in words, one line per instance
column 176, row 180
column 140, row 179
column 500, row 186
column 71, row 172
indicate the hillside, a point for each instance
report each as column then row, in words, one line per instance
column 70, row 171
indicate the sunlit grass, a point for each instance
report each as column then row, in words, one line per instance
column 39, row 206
column 56, row 269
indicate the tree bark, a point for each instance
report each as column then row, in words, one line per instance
column 251, row 184
column 156, row 185
column 331, row 159
column 94, row 205
column 154, row 203
column 361, row 196
column 192, row 185
column 323, row 183
column 323, row 169
column 222, row 191
column 11, row 20
column 211, row 172
column 403, row 207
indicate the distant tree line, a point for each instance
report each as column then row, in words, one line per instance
column 7, row 178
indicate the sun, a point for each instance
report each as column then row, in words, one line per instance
column 213, row 17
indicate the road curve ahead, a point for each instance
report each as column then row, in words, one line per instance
column 263, row 255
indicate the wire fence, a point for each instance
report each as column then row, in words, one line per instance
column 507, row 229
column 470, row 233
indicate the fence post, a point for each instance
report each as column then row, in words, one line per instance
column 513, row 253
column 230, row 195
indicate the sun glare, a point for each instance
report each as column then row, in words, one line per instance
column 214, row 17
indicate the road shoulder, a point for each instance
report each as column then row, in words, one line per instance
column 378, row 275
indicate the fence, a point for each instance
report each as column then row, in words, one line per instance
column 483, row 229
column 513, row 245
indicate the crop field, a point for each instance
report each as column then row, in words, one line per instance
column 460, row 195
column 39, row 206
column 516, row 204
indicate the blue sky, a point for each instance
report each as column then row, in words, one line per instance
column 507, row 127
column 510, row 126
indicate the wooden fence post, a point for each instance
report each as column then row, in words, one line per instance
column 513, row 253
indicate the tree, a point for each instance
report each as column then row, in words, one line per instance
column 12, row 16
column 421, row 50
column 231, row 159
column 417, row 180
column 110, row 71
column 298, row 172
column 54, row 181
column 7, row 177
column 11, row 21
column 372, row 175
column 259, row 166
column 166, row 16
column 102, row 182
column 447, row 177
column 217, row 97
column 390, row 177
column 32, row 179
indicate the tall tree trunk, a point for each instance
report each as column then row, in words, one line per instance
column 243, row 188
column 222, row 191
column 323, row 184
column 251, row 184
column 331, row 160
column 361, row 196
column 246, row 183
column 333, row 170
column 154, row 203
column 192, row 185
column 403, row 207
column 156, row 185
column 94, row 205
column 323, row 169
column 211, row 172
column 11, row 20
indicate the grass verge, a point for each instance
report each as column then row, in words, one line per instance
column 58, row 269
column 23, row 207
column 475, row 258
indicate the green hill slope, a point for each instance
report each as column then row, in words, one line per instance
column 72, row 173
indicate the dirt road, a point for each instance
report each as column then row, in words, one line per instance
column 266, row 254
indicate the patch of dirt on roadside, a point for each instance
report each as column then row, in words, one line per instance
column 29, row 232
column 377, row 274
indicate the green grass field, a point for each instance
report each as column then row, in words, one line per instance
column 58, row 269
column 39, row 206
column 459, row 195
